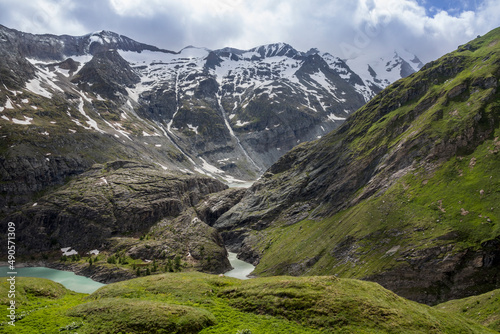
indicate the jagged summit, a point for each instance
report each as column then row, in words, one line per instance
column 380, row 71
column 275, row 50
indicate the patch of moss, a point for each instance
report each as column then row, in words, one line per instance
column 140, row 316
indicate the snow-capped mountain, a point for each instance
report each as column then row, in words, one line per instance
column 379, row 72
column 228, row 113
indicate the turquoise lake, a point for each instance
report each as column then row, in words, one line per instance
column 71, row 281
column 84, row 284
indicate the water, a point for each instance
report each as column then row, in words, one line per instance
column 84, row 284
column 70, row 281
column 241, row 268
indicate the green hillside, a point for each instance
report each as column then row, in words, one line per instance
column 202, row 303
column 483, row 309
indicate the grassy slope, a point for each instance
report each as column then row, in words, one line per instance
column 196, row 302
column 484, row 309
column 461, row 195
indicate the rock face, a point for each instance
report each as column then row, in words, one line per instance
column 110, row 206
column 107, row 74
column 401, row 193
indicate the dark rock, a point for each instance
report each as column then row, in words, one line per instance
column 120, row 198
column 106, row 74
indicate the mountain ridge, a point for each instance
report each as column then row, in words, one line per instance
column 216, row 112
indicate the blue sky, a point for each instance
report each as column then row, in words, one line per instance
column 346, row 28
column 450, row 6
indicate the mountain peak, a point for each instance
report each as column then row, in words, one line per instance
column 275, row 50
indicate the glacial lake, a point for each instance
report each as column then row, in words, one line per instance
column 70, row 281
column 84, row 284
column 241, row 268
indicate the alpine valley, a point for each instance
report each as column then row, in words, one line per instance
column 118, row 160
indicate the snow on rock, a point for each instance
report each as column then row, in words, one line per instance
column 67, row 251
column 334, row 118
column 90, row 121
column 8, row 104
column 240, row 123
column 27, row 121
column 35, row 86
column 193, row 128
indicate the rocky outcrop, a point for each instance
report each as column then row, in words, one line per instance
column 215, row 205
column 107, row 74
column 437, row 274
column 119, row 198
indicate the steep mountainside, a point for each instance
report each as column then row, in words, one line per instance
column 100, row 97
column 404, row 193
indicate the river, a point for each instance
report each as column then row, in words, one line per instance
column 241, row 268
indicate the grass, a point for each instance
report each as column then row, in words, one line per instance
column 201, row 303
column 41, row 306
column 483, row 309
column 140, row 316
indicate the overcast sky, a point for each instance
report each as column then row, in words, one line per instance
column 345, row 28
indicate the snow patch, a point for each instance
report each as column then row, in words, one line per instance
column 67, row 251
column 27, row 121
column 35, row 86
column 193, row 128
column 240, row 123
column 90, row 121
column 332, row 117
column 8, row 104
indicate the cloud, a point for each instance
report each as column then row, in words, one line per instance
column 343, row 28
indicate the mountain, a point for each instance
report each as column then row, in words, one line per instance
column 380, row 72
column 101, row 97
column 404, row 193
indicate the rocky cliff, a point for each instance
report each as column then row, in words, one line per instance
column 403, row 193
column 124, row 207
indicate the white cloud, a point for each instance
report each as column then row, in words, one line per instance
column 331, row 25
column 43, row 16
